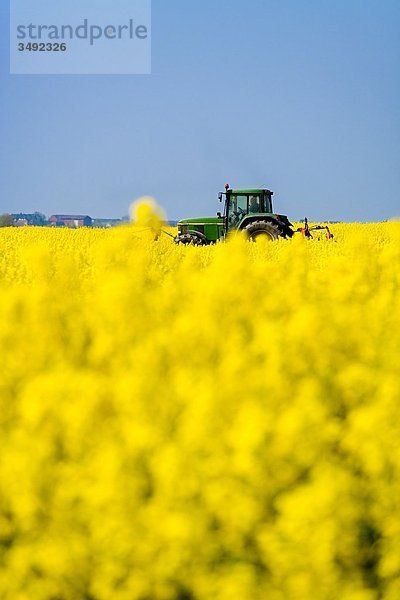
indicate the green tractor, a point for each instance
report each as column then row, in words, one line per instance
column 249, row 211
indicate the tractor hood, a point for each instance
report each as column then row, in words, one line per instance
column 202, row 221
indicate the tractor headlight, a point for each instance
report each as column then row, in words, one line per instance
column 183, row 229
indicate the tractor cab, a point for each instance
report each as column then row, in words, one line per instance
column 240, row 204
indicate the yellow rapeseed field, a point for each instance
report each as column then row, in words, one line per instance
column 212, row 423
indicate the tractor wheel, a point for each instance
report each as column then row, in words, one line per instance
column 190, row 238
column 262, row 230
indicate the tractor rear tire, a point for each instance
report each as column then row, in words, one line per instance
column 190, row 238
column 265, row 229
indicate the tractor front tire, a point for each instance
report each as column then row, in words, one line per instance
column 262, row 230
column 190, row 238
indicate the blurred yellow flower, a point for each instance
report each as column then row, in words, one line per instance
column 196, row 423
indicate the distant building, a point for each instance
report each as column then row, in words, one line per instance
column 20, row 222
column 71, row 221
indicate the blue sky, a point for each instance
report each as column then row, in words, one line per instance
column 299, row 96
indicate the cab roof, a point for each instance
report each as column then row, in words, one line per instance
column 253, row 191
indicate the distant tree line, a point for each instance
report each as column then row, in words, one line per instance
column 36, row 218
column 6, row 220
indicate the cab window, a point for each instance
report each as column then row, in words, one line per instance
column 241, row 203
column 238, row 208
column 254, row 204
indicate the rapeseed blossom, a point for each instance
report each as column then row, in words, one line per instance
column 199, row 423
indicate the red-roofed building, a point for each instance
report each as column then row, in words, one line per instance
column 72, row 221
